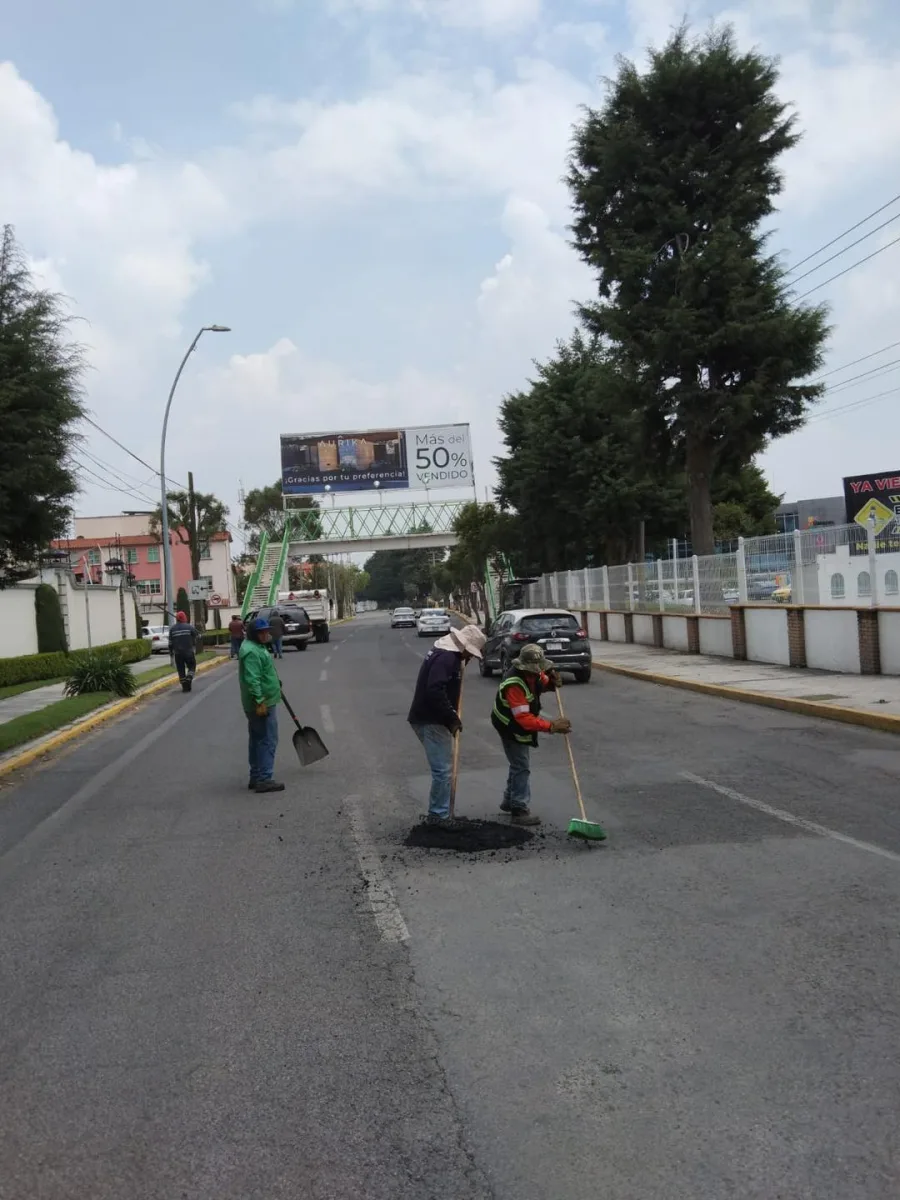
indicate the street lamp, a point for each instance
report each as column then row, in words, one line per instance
column 167, row 554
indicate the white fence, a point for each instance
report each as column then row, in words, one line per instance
column 831, row 566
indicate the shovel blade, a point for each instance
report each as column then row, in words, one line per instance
column 309, row 746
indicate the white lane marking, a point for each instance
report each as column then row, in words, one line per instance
column 791, row 819
column 323, row 677
column 328, row 658
column 379, row 892
column 327, row 719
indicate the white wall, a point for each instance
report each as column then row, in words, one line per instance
column 643, row 629
column 889, row 639
column 675, row 633
column 849, row 566
column 219, row 566
column 767, row 635
column 715, row 637
column 18, row 633
column 616, row 625
column 593, row 625
column 118, row 525
column 832, row 640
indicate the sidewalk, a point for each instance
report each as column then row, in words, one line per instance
column 38, row 698
column 870, row 700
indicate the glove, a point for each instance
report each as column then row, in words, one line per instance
column 262, row 710
column 560, row 725
column 456, row 727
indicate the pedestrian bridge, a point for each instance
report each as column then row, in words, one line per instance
column 363, row 530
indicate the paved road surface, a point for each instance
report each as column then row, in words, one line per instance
column 209, row 994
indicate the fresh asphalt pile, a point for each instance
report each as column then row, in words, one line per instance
column 468, row 837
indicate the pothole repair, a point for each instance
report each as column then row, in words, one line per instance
column 469, row 837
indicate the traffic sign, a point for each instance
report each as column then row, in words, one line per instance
column 875, row 516
column 215, row 600
column 200, row 589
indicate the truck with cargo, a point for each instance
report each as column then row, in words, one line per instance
column 315, row 601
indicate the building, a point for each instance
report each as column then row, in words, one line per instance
column 126, row 536
column 802, row 514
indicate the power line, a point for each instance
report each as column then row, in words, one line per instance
column 884, row 369
column 852, row 267
column 831, row 412
column 859, row 241
column 852, row 228
column 854, row 362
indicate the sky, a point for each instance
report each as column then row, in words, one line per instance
column 369, row 193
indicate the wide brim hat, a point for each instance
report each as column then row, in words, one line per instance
column 532, row 660
column 468, row 640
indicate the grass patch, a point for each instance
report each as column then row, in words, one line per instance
column 47, row 720
column 16, row 689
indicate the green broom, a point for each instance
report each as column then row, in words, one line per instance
column 579, row 827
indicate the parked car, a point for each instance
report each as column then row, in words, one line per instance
column 403, row 618
column 158, row 637
column 556, row 631
column 432, row 622
column 297, row 625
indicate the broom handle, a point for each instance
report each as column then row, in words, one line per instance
column 571, row 758
column 462, row 680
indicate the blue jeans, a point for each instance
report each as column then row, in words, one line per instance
column 518, row 783
column 276, row 648
column 263, row 744
column 438, row 743
column 236, row 646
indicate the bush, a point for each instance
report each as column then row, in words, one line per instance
column 100, row 671
column 48, row 618
column 216, row 637
column 182, row 604
column 31, row 668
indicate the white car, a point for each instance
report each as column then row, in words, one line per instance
column 158, row 637
column 403, row 618
column 432, row 622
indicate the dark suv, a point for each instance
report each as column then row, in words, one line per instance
column 558, row 633
column 297, row 626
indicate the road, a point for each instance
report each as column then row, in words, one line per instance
column 210, row 995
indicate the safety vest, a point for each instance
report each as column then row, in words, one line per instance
column 502, row 716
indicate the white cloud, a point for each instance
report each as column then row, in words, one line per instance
column 489, row 16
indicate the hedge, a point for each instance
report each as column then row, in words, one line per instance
column 48, row 620
column 216, row 637
column 29, row 668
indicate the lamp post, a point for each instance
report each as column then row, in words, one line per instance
column 167, row 553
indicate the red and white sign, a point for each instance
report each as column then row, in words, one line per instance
column 215, row 600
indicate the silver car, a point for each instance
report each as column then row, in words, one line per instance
column 433, row 622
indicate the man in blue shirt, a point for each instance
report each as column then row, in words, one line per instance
column 182, row 646
column 434, row 716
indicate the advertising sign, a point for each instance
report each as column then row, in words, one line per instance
column 418, row 458
column 873, row 499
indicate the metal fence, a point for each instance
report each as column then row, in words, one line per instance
column 826, row 565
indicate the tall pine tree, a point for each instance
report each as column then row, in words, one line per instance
column 672, row 180
column 40, row 372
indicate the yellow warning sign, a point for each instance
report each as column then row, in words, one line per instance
column 874, row 515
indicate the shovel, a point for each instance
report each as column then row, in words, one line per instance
column 309, row 746
column 455, row 774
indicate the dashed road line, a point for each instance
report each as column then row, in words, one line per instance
column 327, row 719
column 790, row 818
column 323, row 677
column 327, row 658
column 379, row 893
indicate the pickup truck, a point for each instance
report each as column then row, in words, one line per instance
column 315, row 601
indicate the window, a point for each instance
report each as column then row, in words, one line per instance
column 94, row 558
column 153, row 554
column 837, row 586
column 787, row 522
column 149, row 587
column 891, row 587
column 131, row 554
column 204, row 550
column 863, row 584
column 546, row 624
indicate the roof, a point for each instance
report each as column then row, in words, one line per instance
column 132, row 539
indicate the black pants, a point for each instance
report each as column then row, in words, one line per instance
column 185, row 663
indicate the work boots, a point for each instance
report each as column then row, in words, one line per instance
column 523, row 816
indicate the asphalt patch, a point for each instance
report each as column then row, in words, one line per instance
column 470, row 837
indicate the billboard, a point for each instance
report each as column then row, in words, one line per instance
column 418, row 458
column 873, row 500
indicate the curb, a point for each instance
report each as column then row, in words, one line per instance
column 54, row 740
column 806, row 708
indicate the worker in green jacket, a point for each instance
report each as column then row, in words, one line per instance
column 260, row 693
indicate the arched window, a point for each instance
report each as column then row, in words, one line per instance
column 837, row 586
column 891, row 587
column 863, row 584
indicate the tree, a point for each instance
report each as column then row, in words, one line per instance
column 48, row 619
column 182, row 604
column 194, row 518
column 743, row 505
column 40, row 403
column 264, row 512
column 671, row 180
column 578, row 471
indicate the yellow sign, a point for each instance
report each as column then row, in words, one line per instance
column 874, row 515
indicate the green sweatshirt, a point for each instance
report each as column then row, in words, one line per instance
column 259, row 681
